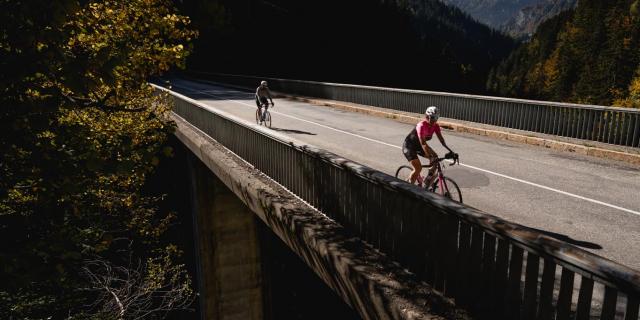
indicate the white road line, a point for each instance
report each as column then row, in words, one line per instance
column 397, row 147
column 554, row 190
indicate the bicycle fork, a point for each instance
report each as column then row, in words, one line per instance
column 443, row 186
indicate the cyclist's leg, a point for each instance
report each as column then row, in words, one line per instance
column 417, row 167
column 412, row 156
column 433, row 166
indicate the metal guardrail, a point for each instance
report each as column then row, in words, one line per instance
column 497, row 269
column 619, row 126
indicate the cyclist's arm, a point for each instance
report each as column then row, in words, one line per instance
column 441, row 138
column 429, row 153
column 269, row 94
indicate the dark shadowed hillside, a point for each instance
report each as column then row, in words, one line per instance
column 414, row 44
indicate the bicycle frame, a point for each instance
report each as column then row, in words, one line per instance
column 261, row 110
column 443, row 186
column 263, row 116
column 440, row 175
column 448, row 187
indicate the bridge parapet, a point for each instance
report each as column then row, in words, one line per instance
column 495, row 268
column 372, row 284
column 618, row 126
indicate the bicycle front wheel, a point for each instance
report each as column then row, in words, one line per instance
column 451, row 190
column 267, row 119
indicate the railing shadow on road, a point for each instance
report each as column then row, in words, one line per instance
column 283, row 130
column 221, row 93
column 567, row 239
column 215, row 94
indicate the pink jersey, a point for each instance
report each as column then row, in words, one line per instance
column 425, row 129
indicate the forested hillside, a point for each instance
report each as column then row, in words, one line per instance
column 587, row 55
column 411, row 43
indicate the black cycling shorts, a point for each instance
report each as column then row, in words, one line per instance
column 410, row 151
column 262, row 100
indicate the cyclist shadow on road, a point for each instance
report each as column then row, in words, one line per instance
column 567, row 239
column 283, row 130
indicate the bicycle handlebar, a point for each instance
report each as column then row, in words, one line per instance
column 450, row 155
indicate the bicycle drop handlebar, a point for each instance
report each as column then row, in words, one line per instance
column 448, row 156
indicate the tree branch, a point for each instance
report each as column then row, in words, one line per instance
column 115, row 296
column 84, row 103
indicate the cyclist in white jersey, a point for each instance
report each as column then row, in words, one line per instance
column 262, row 93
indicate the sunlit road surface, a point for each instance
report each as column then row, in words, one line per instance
column 589, row 202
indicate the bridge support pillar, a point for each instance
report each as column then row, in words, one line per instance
column 227, row 249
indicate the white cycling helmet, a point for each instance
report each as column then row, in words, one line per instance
column 432, row 112
column 263, row 83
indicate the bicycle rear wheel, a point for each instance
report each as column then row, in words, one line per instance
column 403, row 173
column 267, row 118
column 451, row 189
column 258, row 116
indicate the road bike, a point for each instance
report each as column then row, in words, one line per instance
column 266, row 115
column 442, row 185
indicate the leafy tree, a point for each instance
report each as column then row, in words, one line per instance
column 633, row 100
column 82, row 129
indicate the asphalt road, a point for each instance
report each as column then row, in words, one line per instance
column 590, row 202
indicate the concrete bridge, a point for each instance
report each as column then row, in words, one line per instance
column 386, row 248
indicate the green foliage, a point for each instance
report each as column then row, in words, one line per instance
column 633, row 99
column 82, row 129
column 588, row 55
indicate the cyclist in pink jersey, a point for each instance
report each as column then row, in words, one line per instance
column 415, row 143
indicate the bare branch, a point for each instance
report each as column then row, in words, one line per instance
column 128, row 292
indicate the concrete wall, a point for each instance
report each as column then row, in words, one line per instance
column 374, row 286
column 245, row 270
column 227, row 249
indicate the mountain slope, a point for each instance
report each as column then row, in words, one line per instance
column 493, row 13
column 404, row 43
column 586, row 55
column 525, row 22
column 517, row 18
